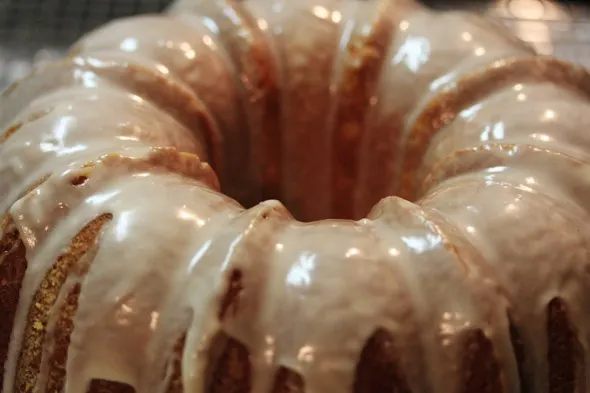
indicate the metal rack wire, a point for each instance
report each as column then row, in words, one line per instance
column 35, row 30
column 59, row 22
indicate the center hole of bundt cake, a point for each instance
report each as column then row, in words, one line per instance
column 308, row 205
column 331, row 194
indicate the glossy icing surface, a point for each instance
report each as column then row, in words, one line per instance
column 317, row 102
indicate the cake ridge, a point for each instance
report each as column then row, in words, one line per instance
column 256, row 76
column 42, row 253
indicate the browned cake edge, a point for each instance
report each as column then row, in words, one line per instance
column 473, row 88
column 362, row 66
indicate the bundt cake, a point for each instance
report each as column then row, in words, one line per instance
column 126, row 265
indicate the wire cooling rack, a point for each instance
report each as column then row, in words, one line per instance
column 38, row 30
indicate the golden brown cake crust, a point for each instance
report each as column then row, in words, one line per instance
column 362, row 64
column 70, row 263
column 473, row 88
column 256, row 71
column 566, row 358
column 13, row 264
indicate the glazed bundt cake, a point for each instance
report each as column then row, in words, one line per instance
column 126, row 265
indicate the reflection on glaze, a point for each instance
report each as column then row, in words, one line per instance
column 330, row 104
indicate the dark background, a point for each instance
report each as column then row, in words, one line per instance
column 60, row 22
column 32, row 30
